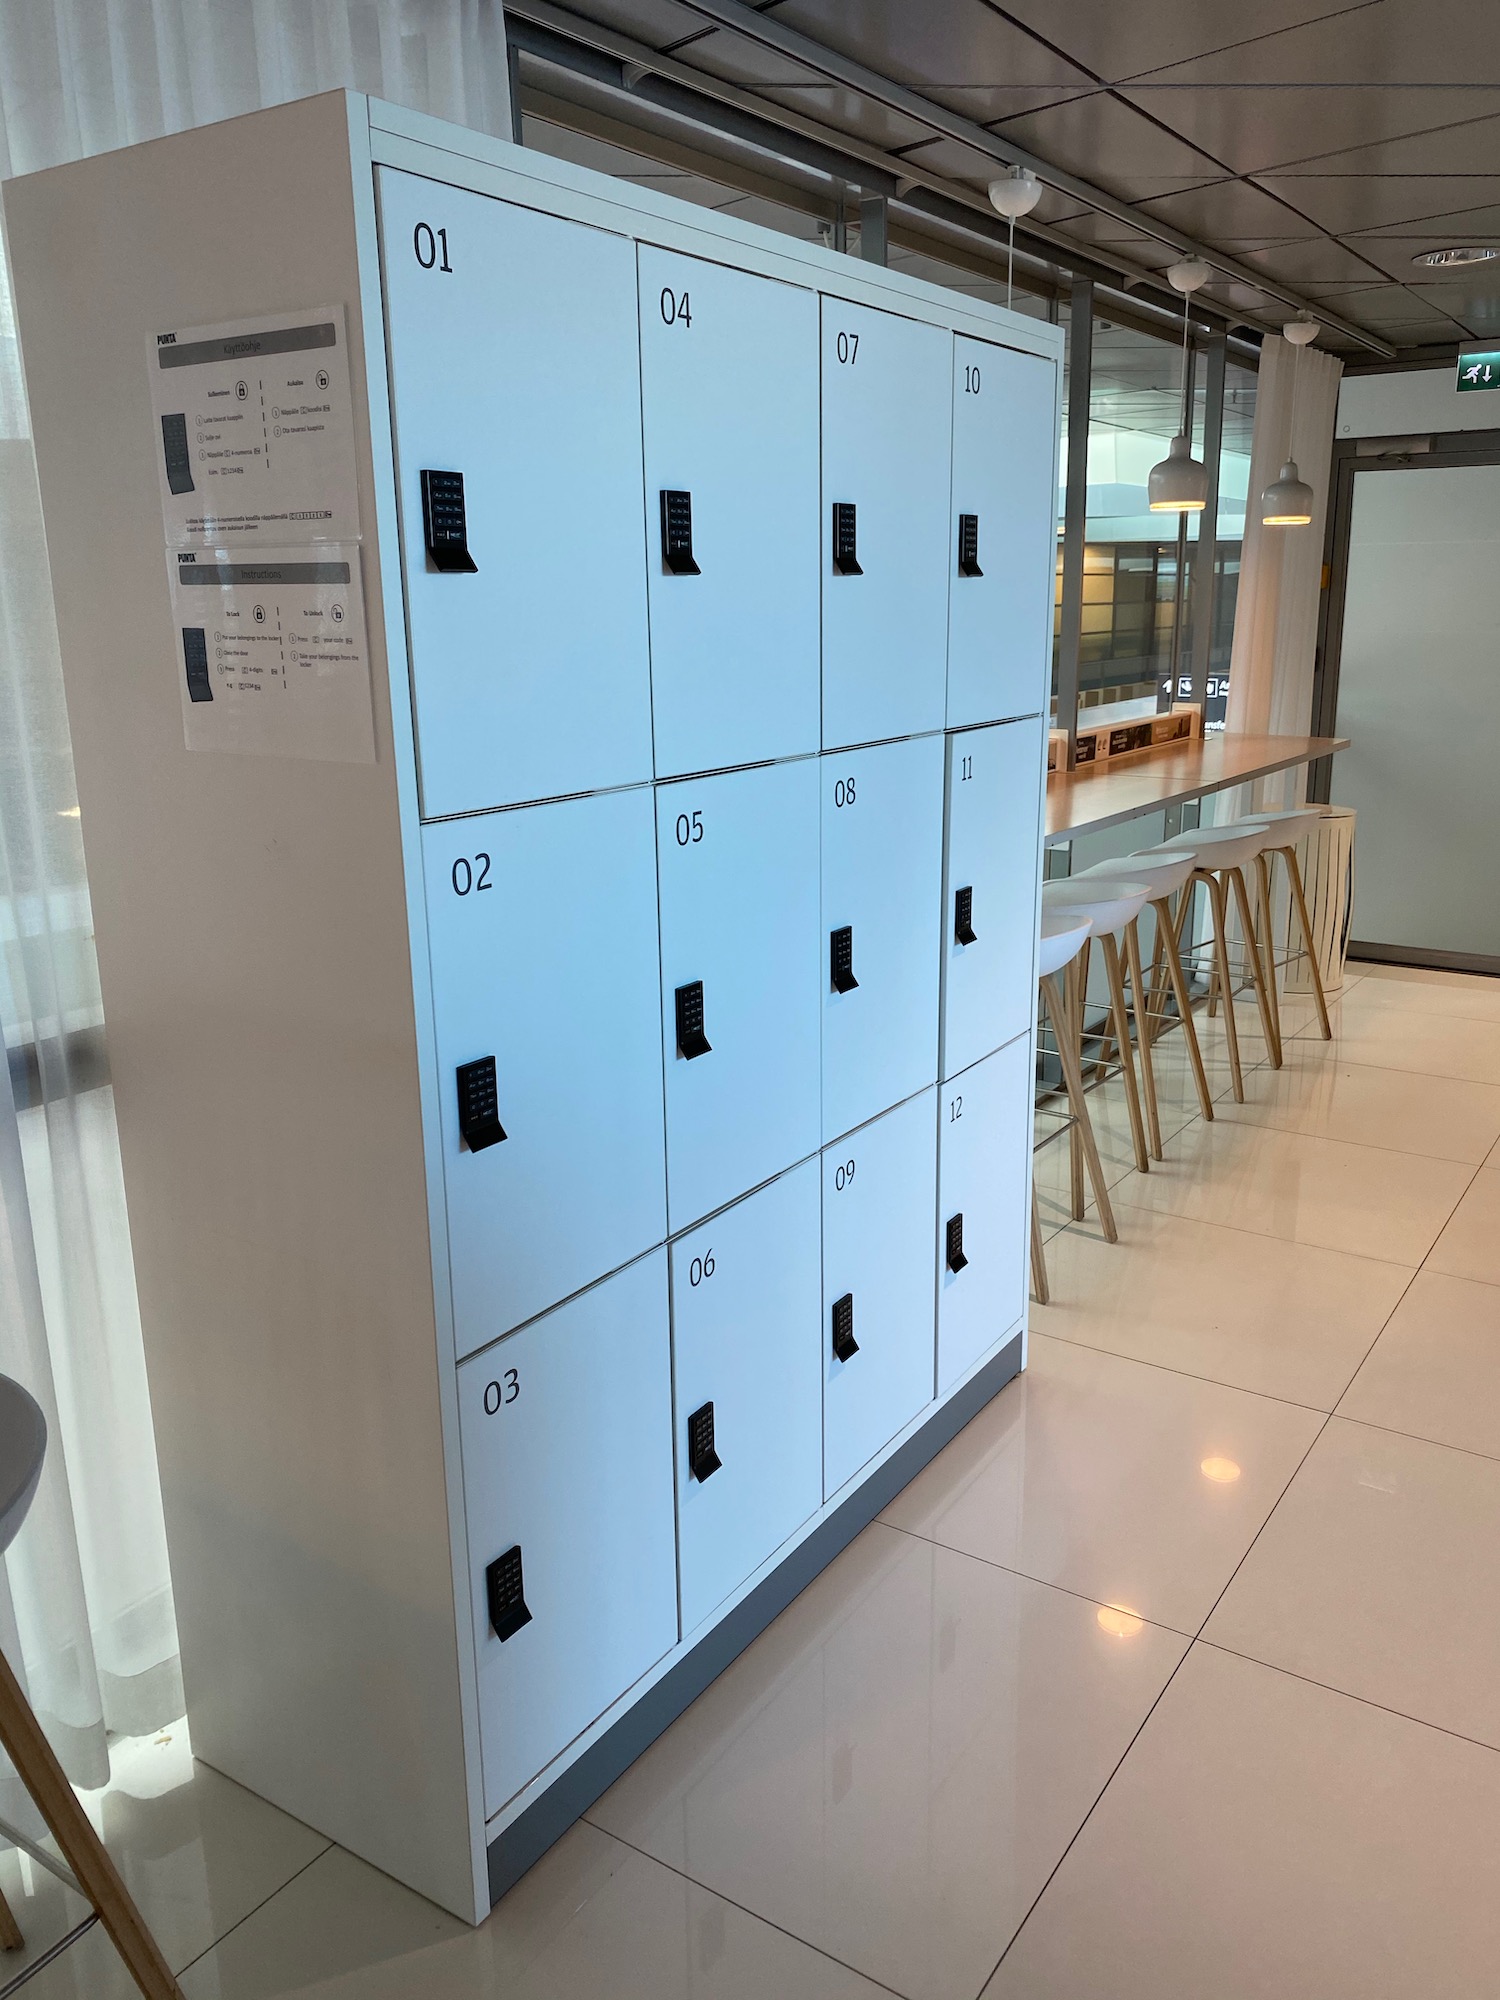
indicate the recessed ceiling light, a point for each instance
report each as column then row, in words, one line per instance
column 1455, row 260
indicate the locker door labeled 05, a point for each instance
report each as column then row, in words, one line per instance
column 1002, row 550
column 545, row 984
column 567, row 1463
column 984, row 1153
column 729, row 400
column 887, row 423
column 515, row 388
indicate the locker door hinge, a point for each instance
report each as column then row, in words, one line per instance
column 841, row 959
column 963, row 916
column 703, row 1460
column 845, row 545
column 677, row 533
column 445, row 523
column 845, row 1346
column 691, row 1039
column 506, row 1595
column 968, row 545
column 956, row 1258
column 479, row 1104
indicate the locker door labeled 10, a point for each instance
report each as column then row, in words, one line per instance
column 567, row 1463
column 547, row 1002
column 1002, row 551
column 729, row 401
column 515, row 387
column 984, row 1154
column 887, row 423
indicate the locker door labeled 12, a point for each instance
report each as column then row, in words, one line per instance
column 729, row 401
column 567, row 1460
column 546, row 996
column 984, row 1154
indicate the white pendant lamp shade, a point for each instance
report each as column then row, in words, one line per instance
column 1178, row 484
column 1288, row 502
column 1016, row 192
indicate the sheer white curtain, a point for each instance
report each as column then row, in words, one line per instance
column 85, row 1595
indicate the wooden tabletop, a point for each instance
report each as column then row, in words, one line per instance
column 1089, row 800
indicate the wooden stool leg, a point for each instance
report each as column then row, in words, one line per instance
column 1219, row 911
column 1299, row 899
column 1038, row 1256
column 1078, row 1105
column 1164, row 929
column 1154, row 993
column 1257, row 970
column 1268, row 949
column 1068, row 1025
column 1143, row 1035
column 1127, row 1066
column 10, row 1931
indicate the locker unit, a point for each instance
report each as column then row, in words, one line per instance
column 984, row 1179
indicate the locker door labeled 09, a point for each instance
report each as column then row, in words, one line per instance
column 1003, row 540
column 567, row 1463
column 515, row 387
column 729, row 399
column 887, row 424
column 984, row 1152
column 546, row 996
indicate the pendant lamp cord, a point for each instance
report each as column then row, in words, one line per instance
column 1010, row 261
column 1291, row 440
column 1186, row 414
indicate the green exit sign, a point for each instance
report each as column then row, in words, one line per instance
column 1479, row 371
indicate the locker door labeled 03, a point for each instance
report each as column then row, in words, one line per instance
column 546, row 996
column 515, row 388
column 887, row 422
column 729, row 400
column 984, row 1151
column 567, row 1463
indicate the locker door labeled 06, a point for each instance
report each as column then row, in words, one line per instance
column 887, row 423
column 991, row 874
column 567, row 1463
column 1002, row 551
column 984, row 1153
column 515, row 386
column 729, row 399
column 546, row 995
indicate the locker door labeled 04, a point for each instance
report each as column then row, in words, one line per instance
column 992, row 869
column 729, row 399
column 887, row 422
column 567, row 1464
column 746, row 1386
column 882, row 896
column 1002, row 549
column 546, row 996
column 984, row 1152
column 879, row 1198
column 515, row 387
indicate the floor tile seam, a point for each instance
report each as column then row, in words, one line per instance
column 1264, row 1236
column 311, row 1862
column 1187, row 1374
column 1396, row 1306
column 1398, row 1010
column 1271, row 1125
column 1271, row 1513
column 1405, row 1069
column 1416, row 1437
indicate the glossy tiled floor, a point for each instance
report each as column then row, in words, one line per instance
column 1174, row 1675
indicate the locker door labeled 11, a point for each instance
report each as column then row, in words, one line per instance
column 984, row 1155
column 729, row 402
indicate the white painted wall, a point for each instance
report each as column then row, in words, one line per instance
column 1410, row 401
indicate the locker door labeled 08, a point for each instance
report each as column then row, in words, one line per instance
column 984, row 1154
column 515, row 387
column 566, row 1429
column 729, row 401
column 546, row 996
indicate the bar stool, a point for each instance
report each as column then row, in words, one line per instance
column 1112, row 908
column 1285, row 829
column 1064, row 935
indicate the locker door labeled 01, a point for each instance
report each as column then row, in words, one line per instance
column 729, row 400
column 882, row 904
column 887, row 423
column 566, row 1430
column 879, row 1198
column 546, row 996
column 741, row 976
column 984, row 1152
column 1002, row 549
column 515, row 388
column 992, row 869
column 747, row 1392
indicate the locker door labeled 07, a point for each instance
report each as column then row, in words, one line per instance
column 515, row 387
column 546, row 996
column 567, row 1463
column 729, row 400
column 984, row 1152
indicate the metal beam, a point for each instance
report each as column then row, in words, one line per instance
column 1075, row 513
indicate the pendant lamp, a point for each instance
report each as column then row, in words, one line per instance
column 1015, row 193
column 1288, row 501
column 1178, row 483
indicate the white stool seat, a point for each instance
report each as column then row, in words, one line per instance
column 1287, row 828
column 1063, row 933
column 1223, row 846
column 1164, row 870
column 1110, row 905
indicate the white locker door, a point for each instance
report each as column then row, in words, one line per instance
column 740, row 956
column 887, row 422
column 747, row 1389
column 729, row 386
column 992, row 869
column 882, row 911
column 984, row 1160
column 566, row 1430
column 515, row 361
column 879, row 1199
column 1005, row 479
column 542, row 928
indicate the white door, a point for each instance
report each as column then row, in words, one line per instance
column 1003, row 539
column 879, row 1200
column 984, row 1161
column 747, row 1387
column 887, row 422
column 992, row 868
column 741, row 968
column 515, row 363
column 542, row 929
column 567, row 1463
column 882, row 912
column 729, row 386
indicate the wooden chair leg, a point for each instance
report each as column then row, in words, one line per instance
column 1039, row 1284
column 1184, row 1008
column 1299, row 901
column 1219, row 913
column 10, row 1931
column 1068, row 1025
column 1155, row 993
column 1257, row 970
column 1079, row 1107
column 1143, row 1035
column 1127, row 1065
column 1268, row 949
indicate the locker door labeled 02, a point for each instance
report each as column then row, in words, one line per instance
column 1002, row 548
column 984, row 1153
column 747, row 1391
column 729, row 402
column 879, row 1198
column 887, row 423
column 992, row 868
column 515, row 388
column 566, row 1430
column 882, row 906
column 546, row 996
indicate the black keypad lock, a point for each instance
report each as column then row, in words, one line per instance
column 963, row 916
column 845, row 540
column 691, row 1040
column 174, row 444
column 968, row 545
column 845, row 1346
column 445, row 523
column 506, row 1593
column 956, row 1258
column 677, row 534
column 195, row 661
column 841, row 959
column 703, row 1460
column 479, row 1104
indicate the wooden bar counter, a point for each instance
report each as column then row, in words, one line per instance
column 1090, row 800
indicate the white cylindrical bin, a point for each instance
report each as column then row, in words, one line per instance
column 1326, row 858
